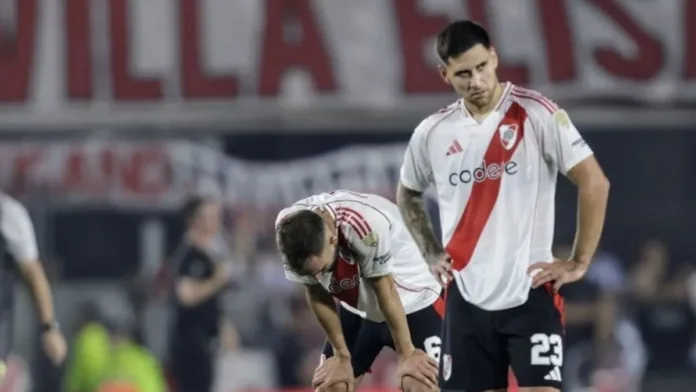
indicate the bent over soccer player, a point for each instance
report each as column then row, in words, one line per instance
column 354, row 247
column 494, row 157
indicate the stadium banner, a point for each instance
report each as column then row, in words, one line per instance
column 161, row 62
column 160, row 174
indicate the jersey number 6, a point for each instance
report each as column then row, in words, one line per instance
column 432, row 347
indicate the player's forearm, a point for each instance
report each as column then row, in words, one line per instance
column 394, row 314
column 192, row 293
column 413, row 210
column 324, row 309
column 592, row 207
column 35, row 277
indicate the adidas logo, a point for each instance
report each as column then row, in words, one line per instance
column 454, row 148
column 554, row 375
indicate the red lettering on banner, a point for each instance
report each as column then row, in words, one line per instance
column 148, row 172
column 79, row 49
column 17, row 53
column 560, row 58
column 518, row 74
column 195, row 83
column 24, row 164
column 126, row 86
column 282, row 51
column 650, row 56
column 142, row 172
column 415, row 30
column 690, row 40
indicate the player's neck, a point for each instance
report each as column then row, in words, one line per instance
column 480, row 112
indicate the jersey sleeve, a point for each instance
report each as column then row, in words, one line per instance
column 18, row 231
column 416, row 170
column 562, row 144
column 371, row 240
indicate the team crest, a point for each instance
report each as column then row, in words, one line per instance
column 508, row 135
column 446, row 367
column 371, row 239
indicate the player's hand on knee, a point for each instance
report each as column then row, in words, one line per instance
column 441, row 268
column 332, row 374
column 410, row 384
column 419, row 366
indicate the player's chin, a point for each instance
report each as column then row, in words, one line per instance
column 410, row 384
column 338, row 387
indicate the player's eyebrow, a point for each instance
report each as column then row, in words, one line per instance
column 468, row 70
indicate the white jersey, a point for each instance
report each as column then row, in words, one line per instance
column 373, row 242
column 17, row 230
column 496, row 185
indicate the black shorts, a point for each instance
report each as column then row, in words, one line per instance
column 480, row 346
column 365, row 338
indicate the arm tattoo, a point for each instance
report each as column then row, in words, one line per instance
column 412, row 207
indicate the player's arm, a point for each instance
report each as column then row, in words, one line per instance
column 415, row 177
column 324, row 308
column 393, row 312
column 376, row 263
column 21, row 244
column 574, row 158
column 191, row 289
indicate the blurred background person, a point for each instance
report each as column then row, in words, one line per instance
column 198, row 285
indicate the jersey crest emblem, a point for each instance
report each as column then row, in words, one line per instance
column 508, row 135
column 371, row 239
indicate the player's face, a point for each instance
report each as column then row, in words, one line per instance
column 472, row 74
column 209, row 219
column 322, row 263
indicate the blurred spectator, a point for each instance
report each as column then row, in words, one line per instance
column 88, row 353
column 198, row 286
column 659, row 290
column 297, row 347
column 129, row 366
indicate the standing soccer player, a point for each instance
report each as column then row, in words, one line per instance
column 493, row 157
column 18, row 251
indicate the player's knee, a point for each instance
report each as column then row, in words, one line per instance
column 340, row 387
column 410, row 384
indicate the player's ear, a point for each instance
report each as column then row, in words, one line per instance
column 442, row 70
column 494, row 57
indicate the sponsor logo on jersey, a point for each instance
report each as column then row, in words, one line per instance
column 483, row 172
column 383, row 258
column 337, row 286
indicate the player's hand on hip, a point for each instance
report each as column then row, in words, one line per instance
column 559, row 272
column 441, row 267
column 54, row 346
column 333, row 371
column 419, row 366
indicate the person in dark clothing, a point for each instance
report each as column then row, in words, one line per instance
column 198, row 283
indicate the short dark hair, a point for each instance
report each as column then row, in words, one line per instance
column 300, row 236
column 460, row 36
column 192, row 207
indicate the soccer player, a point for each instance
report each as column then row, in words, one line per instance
column 493, row 157
column 19, row 252
column 354, row 248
